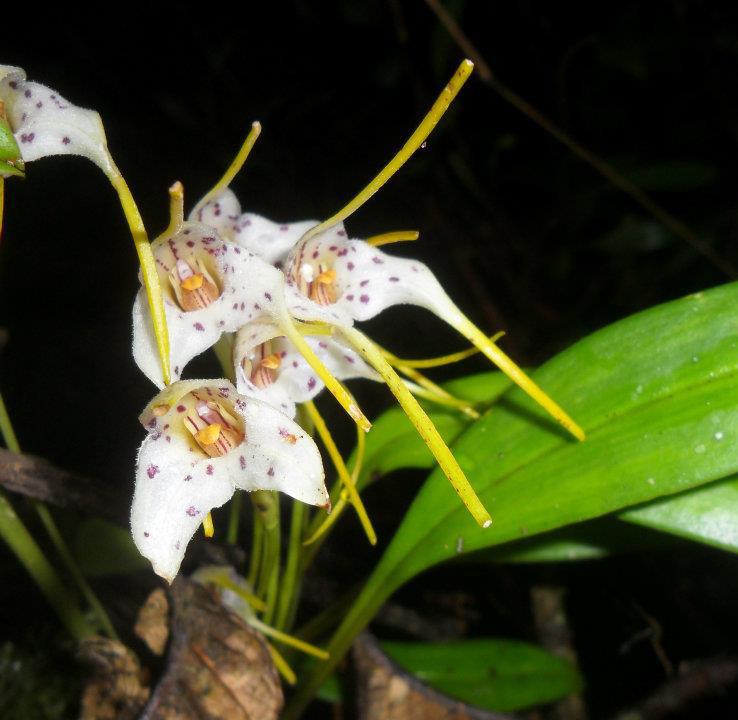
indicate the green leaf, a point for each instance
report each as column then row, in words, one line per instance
column 102, row 548
column 586, row 541
column 394, row 443
column 652, row 391
column 708, row 515
column 493, row 674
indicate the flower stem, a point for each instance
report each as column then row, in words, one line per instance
column 289, row 586
column 25, row 548
column 148, row 267
column 423, row 424
column 343, row 473
column 234, row 518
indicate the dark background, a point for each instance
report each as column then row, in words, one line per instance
column 524, row 236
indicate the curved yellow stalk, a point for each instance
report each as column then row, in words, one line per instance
column 392, row 237
column 176, row 210
column 418, row 137
column 426, row 429
column 421, row 386
column 341, row 469
column 286, row 639
column 515, row 373
column 329, row 520
column 281, row 664
column 148, row 267
column 288, row 327
column 207, row 526
column 437, row 361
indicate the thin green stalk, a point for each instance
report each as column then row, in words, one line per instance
column 290, row 582
column 257, row 545
column 234, row 518
column 266, row 503
column 11, row 440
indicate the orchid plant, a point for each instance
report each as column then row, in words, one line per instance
column 280, row 304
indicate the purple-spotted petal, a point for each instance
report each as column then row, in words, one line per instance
column 293, row 381
column 221, row 213
column 177, row 484
column 44, row 123
column 247, row 287
column 269, row 240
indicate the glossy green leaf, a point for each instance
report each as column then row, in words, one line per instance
column 708, row 515
column 651, row 391
column 493, row 674
column 591, row 540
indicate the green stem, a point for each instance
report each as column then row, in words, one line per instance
column 266, row 503
column 377, row 589
column 15, row 534
column 290, row 581
column 257, row 545
column 233, row 518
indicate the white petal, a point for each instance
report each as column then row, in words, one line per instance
column 294, row 381
column 221, row 212
column 177, row 485
column 175, row 489
column 251, row 289
column 44, row 123
column 269, row 240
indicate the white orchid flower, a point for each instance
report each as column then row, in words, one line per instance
column 205, row 441
column 271, row 241
column 44, row 123
column 210, row 286
column 269, row 367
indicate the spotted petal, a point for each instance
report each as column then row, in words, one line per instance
column 367, row 280
column 44, row 123
column 220, row 212
column 177, row 484
column 247, row 287
column 292, row 380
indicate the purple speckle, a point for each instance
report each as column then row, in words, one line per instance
column 187, row 478
column 349, row 359
column 267, row 296
column 311, row 383
column 364, row 283
column 146, row 534
column 199, row 327
column 151, row 470
column 394, row 279
column 66, row 140
column 181, row 408
column 27, row 93
column 341, row 233
column 364, row 299
column 377, row 260
column 192, row 511
column 349, row 297
column 242, row 462
column 270, row 472
column 209, row 469
column 350, row 265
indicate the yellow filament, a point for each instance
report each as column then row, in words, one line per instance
column 207, row 526
column 516, row 374
column 425, row 387
column 413, row 143
column 341, row 469
column 313, row 328
column 329, row 521
column 148, row 267
column 234, row 167
column 426, row 429
column 176, row 210
column 392, row 237
column 281, row 664
column 209, row 434
column 224, row 581
column 334, row 387
column 289, row 640
column 338, row 508
column 438, row 361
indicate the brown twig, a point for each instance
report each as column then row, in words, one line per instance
column 594, row 161
column 39, row 479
